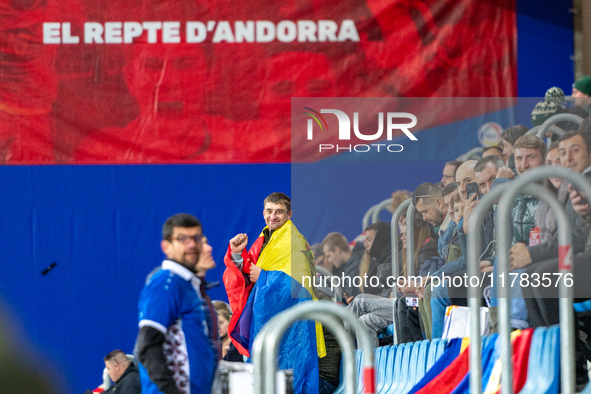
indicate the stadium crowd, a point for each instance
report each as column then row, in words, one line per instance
column 183, row 335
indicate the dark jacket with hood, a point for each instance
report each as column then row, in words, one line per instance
column 381, row 262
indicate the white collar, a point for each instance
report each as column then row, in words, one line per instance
column 178, row 269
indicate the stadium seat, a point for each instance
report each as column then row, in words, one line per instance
column 545, row 368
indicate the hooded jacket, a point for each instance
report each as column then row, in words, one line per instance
column 381, row 262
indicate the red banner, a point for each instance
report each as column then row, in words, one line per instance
column 181, row 82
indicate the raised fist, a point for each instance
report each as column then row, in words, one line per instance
column 238, row 243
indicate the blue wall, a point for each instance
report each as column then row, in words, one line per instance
column 101, row 224
column 545, row 46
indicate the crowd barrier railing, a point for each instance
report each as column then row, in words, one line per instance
column 566, row 312
column 566, row 117
column 395, row 246
column 266, row 345
column 338, row 290
column 373, row 214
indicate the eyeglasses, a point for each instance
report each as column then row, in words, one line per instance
column 184, row 239
column 415, row 198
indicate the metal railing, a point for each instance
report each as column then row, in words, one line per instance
column 395, row 246
column 265, row 348
column 566, row 117
column 548, row 125
column 372, row 214
column 553, row 129
column 383, row 206
column 525, row 183
column 338, row 290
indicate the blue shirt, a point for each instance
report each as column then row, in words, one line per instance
column 171, row 303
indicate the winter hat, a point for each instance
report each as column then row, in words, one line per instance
column 583, row 85
column 555, row 95
column 544, row 110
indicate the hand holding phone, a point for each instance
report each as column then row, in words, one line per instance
column 472, row 188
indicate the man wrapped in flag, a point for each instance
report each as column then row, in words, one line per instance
column 267, row 280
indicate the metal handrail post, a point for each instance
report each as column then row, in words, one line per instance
column 566, row 117
column 553, row 129
column 338, row 290
column 410, row 240
column 474, row 242
column 266, row 347
column 367, row 217
column 565, row 266
column 395, row 244
column 375, row 216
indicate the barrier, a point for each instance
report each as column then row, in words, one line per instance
column 566, row 310
column 372, row 214
column 266, row 345
column 553, row 129
column 565, row 265
column 474, row 241
column 555, row 119
column 410, row 240
column 383, row 206
column 395, row 244
column 338, row 290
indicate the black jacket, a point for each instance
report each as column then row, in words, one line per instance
column 128, row 383
column 381, row 262
column 350, row 269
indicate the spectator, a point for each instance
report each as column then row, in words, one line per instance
column 346, row 261
column 221, row 306
column 457, row 204
column 445, row 243
column 585, row 126
column 268, row 279
column 449, row 172
column 320, row 258
column 465, row 175
column 375, row 311
column 582, row 92
column 575, row 153
column 428, row 201
column 508, row 138
column 229, row 351
column 485, row 172
column 380, row 266
column 123, row 373
column 492, row 151
column 174, row 309
column 542, row 302
column 553, row 159
column 545, row 218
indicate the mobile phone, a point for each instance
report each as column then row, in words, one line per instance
column 578, row 190
column 511, row 161
column 413, row 302
column 472, row 188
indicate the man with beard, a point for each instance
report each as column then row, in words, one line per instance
column 178, row 342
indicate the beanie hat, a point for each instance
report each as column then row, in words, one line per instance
column 555, row 95
column 583, row 85
column 543, row 111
